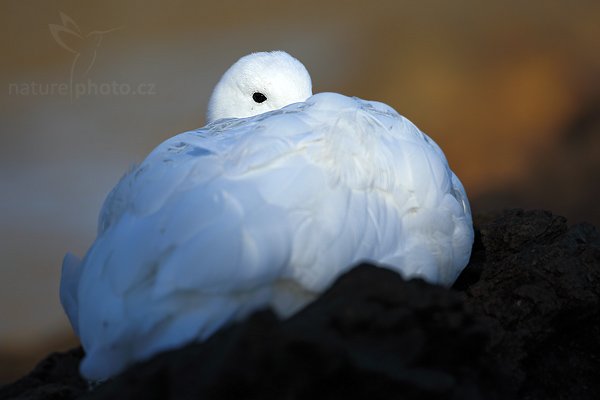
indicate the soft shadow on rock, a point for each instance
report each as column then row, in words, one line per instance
column 522, row 321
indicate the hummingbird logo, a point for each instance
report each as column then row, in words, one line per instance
column 84, row 46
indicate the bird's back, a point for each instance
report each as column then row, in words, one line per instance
column 263, row 211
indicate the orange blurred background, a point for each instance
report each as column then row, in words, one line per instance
column 509, row 89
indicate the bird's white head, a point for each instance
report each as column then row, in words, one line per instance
column 258, row 83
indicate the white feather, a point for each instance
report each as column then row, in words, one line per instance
column 261, row 212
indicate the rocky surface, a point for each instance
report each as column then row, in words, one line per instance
column 522, row 321
column 55, row 377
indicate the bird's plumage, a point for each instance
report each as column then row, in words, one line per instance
column 276, row 75
column 261, row 212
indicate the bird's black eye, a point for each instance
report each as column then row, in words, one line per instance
column 259, row 97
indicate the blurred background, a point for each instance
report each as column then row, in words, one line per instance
column 509, row 89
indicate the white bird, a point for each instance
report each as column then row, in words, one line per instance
column 264, row 211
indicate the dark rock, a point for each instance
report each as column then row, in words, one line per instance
column 370, row 335
column 539, row 291
column 56, row 378
column 522, row 321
